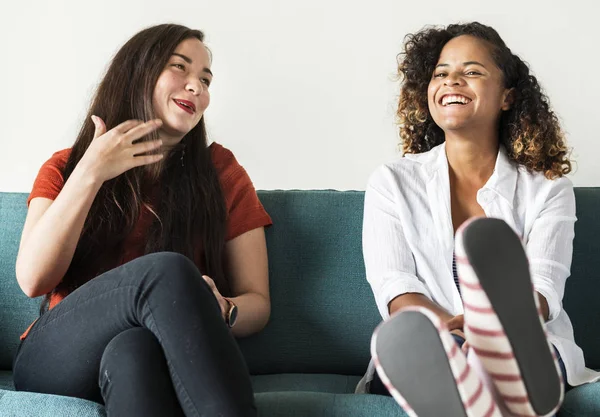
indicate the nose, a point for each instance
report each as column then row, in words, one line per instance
column 195, row 87
column 453, row 78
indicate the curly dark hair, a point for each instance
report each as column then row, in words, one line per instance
column 529, row 130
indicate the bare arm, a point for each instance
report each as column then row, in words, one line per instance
column 418, row 300
column 51, row 233
column 249, row 280
column 52, row 228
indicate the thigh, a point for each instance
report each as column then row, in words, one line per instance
column 61, row 354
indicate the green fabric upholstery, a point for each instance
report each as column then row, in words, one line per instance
column 330, row 383
column 582, row 292
column 323, row 311
column 317, row 404
column 316, row 346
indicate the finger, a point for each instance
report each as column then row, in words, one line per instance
column 141, row 160
column 144, row 147
column 142, row 130
column 209, row 281
column 453, row 324
column 100, row 127
column 127, row 125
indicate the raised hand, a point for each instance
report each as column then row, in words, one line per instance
column 114, row 152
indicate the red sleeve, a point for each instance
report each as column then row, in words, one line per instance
column 50, row 180
column 245, row 212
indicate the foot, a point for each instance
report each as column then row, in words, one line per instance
column 503, row 323
column 425, row 371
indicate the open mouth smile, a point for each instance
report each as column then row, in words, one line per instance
column 186, row 105
column 454, row 100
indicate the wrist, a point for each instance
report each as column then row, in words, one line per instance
column 230, row 313
column 86, row 177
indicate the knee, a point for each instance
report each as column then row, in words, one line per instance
column 170, row 269
column 171, row 264
column 130, row 355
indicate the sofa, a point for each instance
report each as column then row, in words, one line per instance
column 315, row 348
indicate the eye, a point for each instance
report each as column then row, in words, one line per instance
column 439, row 75
column 206, row 81
column 473, row 73
column 179, row 66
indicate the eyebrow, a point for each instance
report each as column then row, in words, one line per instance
column 189, row 61
column 464, row 63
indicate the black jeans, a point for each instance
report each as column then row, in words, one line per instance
column 146, row 338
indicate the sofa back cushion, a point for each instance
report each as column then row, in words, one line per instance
column 17, row 311
column 323, row 311
column 582, row 293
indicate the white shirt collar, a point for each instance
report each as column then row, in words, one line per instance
column 503, row 180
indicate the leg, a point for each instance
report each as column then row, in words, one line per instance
column 421, row 365
column 134, row 377
column 162, row 292
column 502, row 320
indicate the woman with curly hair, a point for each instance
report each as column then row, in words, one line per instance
column 467, row 239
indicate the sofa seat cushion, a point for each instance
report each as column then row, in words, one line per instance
column 289, row 395
column 328, row 383
column 582, row 401
column 318, row 404
column 31, row 404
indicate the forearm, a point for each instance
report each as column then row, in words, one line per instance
column 418, row 300
column 46, row 250
column 253, row 313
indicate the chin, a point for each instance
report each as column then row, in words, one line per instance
column 177, row 129
column 452, row 125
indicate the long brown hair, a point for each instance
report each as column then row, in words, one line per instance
column 529, row 130
column 191, row 211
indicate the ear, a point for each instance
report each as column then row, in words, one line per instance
column 508, row 98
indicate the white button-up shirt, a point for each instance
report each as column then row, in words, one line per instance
column 408, row 237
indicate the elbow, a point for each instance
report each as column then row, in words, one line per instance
column 265, row 313
column 27, row 280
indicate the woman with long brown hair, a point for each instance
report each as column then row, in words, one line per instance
column 148, row 245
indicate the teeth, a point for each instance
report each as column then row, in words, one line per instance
column 455, row 99
column 183, row 104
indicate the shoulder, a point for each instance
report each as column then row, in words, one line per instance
column 407, row 170
column 232, row 176
column 59, row 159
column 537, row 182
column 223, row 159
column 546, row 191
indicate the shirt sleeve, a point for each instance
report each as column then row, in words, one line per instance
column 50, row 181
column 550, row 244
column 389, row 263
column 245, row 212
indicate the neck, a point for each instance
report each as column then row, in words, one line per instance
column 169, row 142
column 471, row 159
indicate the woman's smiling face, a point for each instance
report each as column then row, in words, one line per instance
column 181, row 93
column 467, row 88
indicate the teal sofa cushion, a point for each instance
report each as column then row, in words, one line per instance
column 316, row 346
column 323, row 311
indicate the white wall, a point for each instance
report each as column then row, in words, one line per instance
column 303, row 92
